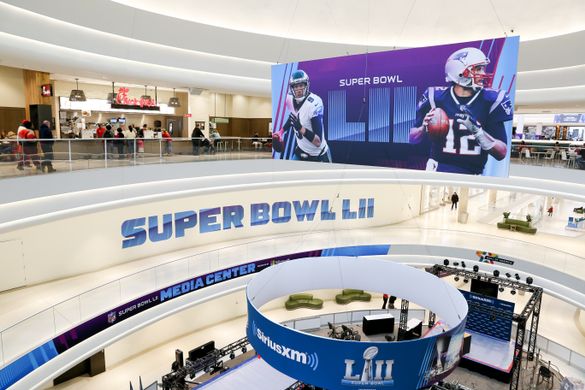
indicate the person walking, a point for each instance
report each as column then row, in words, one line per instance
column 385, row 300
column 550, row 211
column 46, row 136
column 454, row 200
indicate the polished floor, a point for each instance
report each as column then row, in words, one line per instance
column 560, row 322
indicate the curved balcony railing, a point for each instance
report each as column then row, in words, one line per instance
column 24, row 336
column 78, row 154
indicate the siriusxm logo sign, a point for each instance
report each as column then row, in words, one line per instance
column 374, row 372
column 311, row 360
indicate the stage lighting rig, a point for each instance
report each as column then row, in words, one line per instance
column 517, row 276
column 496, row 273
column 446, row 262
column 475, row 268
column 463, row 264
column 508, row 275
column 529, row 280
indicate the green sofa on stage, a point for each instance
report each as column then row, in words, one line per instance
column 297, row 301
column 349, row 295
column 517, row 225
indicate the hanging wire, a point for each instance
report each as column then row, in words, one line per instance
column 399, row 37
column 498, row 17
column 285, row 40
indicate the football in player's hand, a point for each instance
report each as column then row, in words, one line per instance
column 277, row 142
column 438, row 125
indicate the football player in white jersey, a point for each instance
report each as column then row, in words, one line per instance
column 306, row 120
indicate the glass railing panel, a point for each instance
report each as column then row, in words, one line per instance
column 173, row 272
column 203, row 263
column 234, row 255
column 559, row 351
column 577, row 360
column 67, row 314
column 100, row 299
column 28, row 334
column 137, row 285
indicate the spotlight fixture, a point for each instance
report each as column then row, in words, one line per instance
column 446, row 262
column 517, row 276
column 232, row 356
column 496, row 273
column 508, row 275
column 501, row 289
column 77, row 95
column 465, row 280
column 146, row 96
column 513, row 292
column 463, row 264
column 529, row 280
column 456, row 278
column 112, row 95
column 244, row 350
column 456, row 264
column 475, row 268
column 174, row 100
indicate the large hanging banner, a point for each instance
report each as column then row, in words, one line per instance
column 443, row 108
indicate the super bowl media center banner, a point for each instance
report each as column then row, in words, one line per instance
column 444, row 108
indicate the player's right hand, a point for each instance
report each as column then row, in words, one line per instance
column 427, row 118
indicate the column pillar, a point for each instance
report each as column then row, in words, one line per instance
column 462, row 214
column 492, row 197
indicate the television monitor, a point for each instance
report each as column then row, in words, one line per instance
column 113, row 120
column 122, row 120
column 484, row 288
column 201, row 351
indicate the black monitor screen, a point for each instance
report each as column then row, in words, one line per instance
column 484, row 288
column 201, row 351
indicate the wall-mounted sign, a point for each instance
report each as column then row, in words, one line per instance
column 46, row 90
column 124, row 101
column 188, row 115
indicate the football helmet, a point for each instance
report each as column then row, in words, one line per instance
column 466, row 67
column 299, row 77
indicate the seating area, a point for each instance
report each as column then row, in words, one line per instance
column 349, row 295
column 298, row 301
column 517, row 225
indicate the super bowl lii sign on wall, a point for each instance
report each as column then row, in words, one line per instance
column 343, row 364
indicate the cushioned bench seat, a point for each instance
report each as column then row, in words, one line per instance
column 349, row 295
column 297, row 301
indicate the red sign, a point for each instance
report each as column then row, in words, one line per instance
column 123, row 99
column 188, row 115
column 46, row 90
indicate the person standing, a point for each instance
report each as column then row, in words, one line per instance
column 197, row 138
column 27, row 140
column 385, row 300
column 46, row 136
column 550, row 211
column 454, row 200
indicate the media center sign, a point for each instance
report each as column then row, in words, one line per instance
column 341, row 364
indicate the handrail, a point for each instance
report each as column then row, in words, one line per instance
column 70, row 312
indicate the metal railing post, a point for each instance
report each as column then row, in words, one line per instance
column 106, row 152
column 160, row 150
column 69, row 152
column 134, row 140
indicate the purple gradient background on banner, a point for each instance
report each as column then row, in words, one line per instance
column 419, row 67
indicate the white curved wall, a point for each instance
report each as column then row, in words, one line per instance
column 118, row 42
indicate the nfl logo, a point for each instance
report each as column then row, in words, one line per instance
column 111, row 317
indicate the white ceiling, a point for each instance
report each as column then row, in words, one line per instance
column 229, row 46
column 406, row 23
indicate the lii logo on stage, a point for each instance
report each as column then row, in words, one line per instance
column 374, row 372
